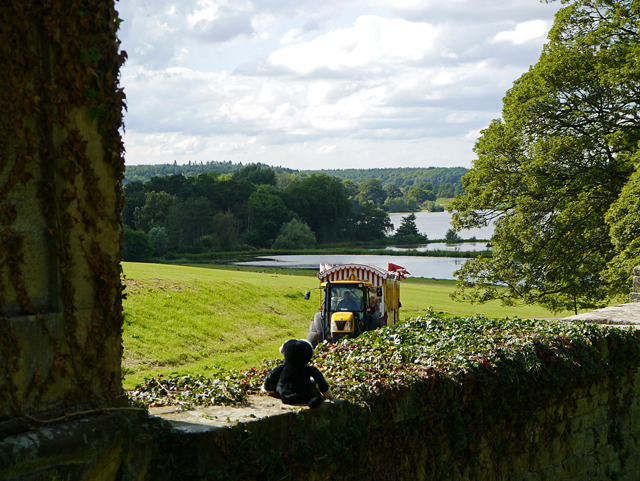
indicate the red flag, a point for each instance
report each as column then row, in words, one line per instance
column 401, row 271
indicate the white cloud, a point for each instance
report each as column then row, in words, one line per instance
column 372, row 43
column 348, row 83
column 524, row 32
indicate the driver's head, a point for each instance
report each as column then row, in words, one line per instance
column 347, row 295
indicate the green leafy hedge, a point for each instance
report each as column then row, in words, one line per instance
column 433, row 348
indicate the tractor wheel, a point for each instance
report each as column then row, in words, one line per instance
column 316, row 331
column 374, row 322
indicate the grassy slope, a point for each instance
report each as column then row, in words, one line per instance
column 194, row 319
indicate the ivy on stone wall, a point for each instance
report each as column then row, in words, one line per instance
column 61, row 58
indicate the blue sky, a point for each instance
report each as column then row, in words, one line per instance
column 333, row 84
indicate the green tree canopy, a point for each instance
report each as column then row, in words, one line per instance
column 408, row 226
column 372, row 190
column 295, row 234
column 256, row 174
column 321, row 202
column 266, row 212
column 155, row 211
column 550, row 169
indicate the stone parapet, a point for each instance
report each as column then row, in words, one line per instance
column 427, row 430
column 635, row 295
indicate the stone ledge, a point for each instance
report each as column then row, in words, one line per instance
column 620, row 315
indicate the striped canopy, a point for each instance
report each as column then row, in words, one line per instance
column 355, row 272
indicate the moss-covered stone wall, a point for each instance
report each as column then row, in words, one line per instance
column 61, row 168
column 635, row 295
column 587, row 428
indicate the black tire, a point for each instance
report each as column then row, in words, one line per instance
column 374, row 322
column 316, row 331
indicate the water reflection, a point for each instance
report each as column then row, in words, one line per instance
column 442, row 246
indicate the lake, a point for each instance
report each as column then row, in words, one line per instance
column 433, row 267
column 436, row 224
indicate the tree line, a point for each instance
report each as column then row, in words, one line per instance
column 559, row 172
column 257, row 207
column 446, row 179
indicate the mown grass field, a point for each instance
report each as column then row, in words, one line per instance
column 197, row 320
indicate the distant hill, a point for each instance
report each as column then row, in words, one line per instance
column 397, row 175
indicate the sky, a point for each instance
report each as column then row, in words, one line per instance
column 331, row 84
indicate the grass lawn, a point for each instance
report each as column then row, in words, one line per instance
column 196, row 320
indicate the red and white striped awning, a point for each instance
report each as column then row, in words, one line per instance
column 354, row 272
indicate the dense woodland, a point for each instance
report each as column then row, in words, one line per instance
column 257, row 206
column 401, row 176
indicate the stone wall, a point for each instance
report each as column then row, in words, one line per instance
column 430, row 431
column 635, row 295
column 61, row 169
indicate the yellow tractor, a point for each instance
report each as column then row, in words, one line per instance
column 355, row 298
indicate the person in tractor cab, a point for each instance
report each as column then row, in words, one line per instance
column 348, row 303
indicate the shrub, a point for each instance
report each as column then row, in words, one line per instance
column 295, row 234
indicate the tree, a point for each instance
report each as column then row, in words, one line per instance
column 226, row 229
column 136, row 246
column 372, row 190
column 350, row 188
column 372, row 223
column 295, row 234
column 133, row 197
column 398, row 205
column 266, row 212
column 393, row 192
column 407, row 226
column 256, row 174
column 155, row 211
column 623, row 219
column 188, row 221
column 322, row 203
column 452, row 237
column 552, row 167
column 159, row 239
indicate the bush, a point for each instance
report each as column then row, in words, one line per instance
column 137, row 246
column 295, row 234
column 159, row 240
column 431, row 206
column 451, row 236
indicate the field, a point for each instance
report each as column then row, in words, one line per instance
column 198, row 320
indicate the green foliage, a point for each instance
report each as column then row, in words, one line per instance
column 266, row 213
column 256, row 174
column 226, row 230
column 321, row 202
column 551, row 168
column 623, row 219
column 408, row 230
column 371, row 223
column 430, row 206
column 188, row 221
column 155, row 211
column 295, row 235
column 136, row 246
column 401, row 205
column 452, row 236
column 159, row 239
column 371, row 190
column 254, row 194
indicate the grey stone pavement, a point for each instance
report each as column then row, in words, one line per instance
column 622, row 315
